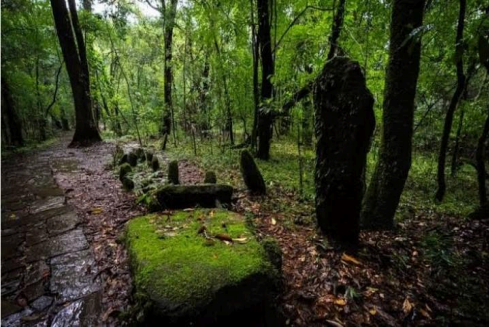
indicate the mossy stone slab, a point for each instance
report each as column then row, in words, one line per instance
column 183, row 277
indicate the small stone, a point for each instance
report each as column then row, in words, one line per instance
column 173, row 177
column 210, row 177
column 155, row 163
column 251, row 174
column 132, row 159
column 42, row 303
column 124, row 170
column 123, row 159
column 127, row 183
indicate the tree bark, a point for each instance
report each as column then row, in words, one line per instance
column 344, row 127
column 481, row 168
column 13, row 122
column 265, row 118
column 86, row 131
column 335, row 33
column 169, row 22
column 394, row 162
column 459, row 47
column 256, row 92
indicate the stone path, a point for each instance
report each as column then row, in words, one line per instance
column 49, row 275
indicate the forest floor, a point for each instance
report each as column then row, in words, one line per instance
column 432, row 270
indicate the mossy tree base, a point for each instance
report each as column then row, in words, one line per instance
column 183, row 277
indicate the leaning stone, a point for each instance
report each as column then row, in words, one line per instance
column 251, row 174
column 124, row 169
column 187, row 278
column 210, row 177
column 188, row 196
column 155, row 163
column 173, row 173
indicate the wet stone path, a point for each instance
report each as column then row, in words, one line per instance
column 49, row 275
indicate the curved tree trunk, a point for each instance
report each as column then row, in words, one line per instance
column 265, row 119
column 392, row 168
column 440, row 192
column 74, row 54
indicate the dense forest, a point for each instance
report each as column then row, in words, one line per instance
column 313, row 162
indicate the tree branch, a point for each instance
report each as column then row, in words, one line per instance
column 55, row 89
column 294, row 21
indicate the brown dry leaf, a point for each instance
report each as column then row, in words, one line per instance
column 407, row 306
column 224, row 237
column 424, row 313
column 348, row 258
column 340, row 301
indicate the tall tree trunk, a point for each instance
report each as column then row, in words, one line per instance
column 459, row 48
column 13, row 122
column 481, row 168
column 265, row 119
column 337, row 26
column 169, row 22
column 204, row 90
column 394, row 162
column 256, row 92
column 470, row 73
column 86, row 131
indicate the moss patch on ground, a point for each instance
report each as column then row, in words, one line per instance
column 181, row 270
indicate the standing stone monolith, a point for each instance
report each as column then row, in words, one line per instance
column 251, row 174
column 344, row 126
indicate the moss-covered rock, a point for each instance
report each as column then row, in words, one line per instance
column 184, row 277
column 132, row 158
column 124, row 169
column 210, row 177
column 173, row 177
column 189, row 196
column 155, row 163
column 127, row 183
column 251, row 174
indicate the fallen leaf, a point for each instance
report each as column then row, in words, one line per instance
column 372, row 311
column 340, row 301
column 241, row 240
column 273, row 221
column 97, row 211
column 348, row 258
column 407, row 306
column 224, row 237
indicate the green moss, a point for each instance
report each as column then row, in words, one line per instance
column 174, row 264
